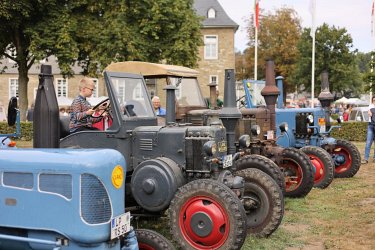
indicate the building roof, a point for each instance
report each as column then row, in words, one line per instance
column 222, row 20
column 35, row 68
column 151, row 69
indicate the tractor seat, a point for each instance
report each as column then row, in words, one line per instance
column 64, row 126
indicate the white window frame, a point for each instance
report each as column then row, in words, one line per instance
column 57, row 87
column 211, row 13
column 217, row 79
column 211, row 52
column 13, row 90
column 95, row 93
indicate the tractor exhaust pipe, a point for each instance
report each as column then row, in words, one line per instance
column 170, row 117
column 213, row 96
column 230, row 114
column 46, row 123
column 325, row 97
column 270, row 91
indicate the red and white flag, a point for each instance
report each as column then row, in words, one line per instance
column 256, row 10
column 373, row 18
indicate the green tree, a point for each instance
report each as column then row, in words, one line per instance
column 96, row 33
column 277, row 39
column 333, row 52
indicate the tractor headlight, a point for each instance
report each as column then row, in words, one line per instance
column 255, row 129
column 340, row 119
column 210, row 148
column 310, row 119
column 244, row 141
column 283, row 127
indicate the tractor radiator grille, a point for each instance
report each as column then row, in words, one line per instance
column 194, row 153
column 19, row 180
column 145, row 144
column 56, row 183
column 301, row 124
column 95, row 203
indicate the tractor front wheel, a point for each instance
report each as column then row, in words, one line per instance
column 263, row 201
column 347, row 159
column 151, row 240
column 206, row 214
column 298, row 172
column 263, row 164
column 323, row 164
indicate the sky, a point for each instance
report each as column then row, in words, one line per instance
column 354, row 15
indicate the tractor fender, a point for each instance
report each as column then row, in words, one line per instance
column 286, row 139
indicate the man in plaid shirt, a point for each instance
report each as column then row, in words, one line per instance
column 81, row 111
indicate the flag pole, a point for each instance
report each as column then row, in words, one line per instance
column 256, row 25
column 312, row 33
column 313, row 71
column 256, row 55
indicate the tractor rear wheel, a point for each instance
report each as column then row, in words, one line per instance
column 263, row 201
column 206, row 214
column 347, row 159
column 298, row 172
column 263, row 164
column 323, row 164
column 151, row 240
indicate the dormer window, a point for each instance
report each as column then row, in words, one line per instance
column 211, row 13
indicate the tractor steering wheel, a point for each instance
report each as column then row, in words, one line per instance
column 101, row 108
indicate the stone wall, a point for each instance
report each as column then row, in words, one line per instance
column 226, row 59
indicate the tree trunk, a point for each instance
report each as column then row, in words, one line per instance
column 23, row 81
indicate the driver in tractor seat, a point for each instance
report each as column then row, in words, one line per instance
column 81, row 116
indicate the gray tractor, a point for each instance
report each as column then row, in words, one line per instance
column 290, row 168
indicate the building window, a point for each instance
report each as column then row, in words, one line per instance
column 210, row 47
column 62, row 87
column 214, row 79
column 96, row 90
column 13, row 87
column 211, row 13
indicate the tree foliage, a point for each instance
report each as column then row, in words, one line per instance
column 277, row 39
column 333, row 52
column 95, row 33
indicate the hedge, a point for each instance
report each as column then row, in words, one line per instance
column 352, row 131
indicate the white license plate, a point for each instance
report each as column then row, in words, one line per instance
column 227, row 161
column 322, row 128
column 120, row 225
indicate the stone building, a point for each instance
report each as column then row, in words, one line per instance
column 218, row 52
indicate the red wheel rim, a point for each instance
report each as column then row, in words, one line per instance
column 294, row 176
column 211, row 210
column 143, row 246
column 319, row 168
column 342, row 151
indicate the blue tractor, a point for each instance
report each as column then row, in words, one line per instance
column 309, row 130
column 65, row 199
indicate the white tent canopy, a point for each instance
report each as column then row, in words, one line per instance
column 341, row 100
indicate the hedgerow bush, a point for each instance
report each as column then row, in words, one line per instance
column 352, row 131
column 26, row 130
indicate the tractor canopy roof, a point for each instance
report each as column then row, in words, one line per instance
column 150, row 70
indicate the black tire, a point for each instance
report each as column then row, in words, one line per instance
column 148, row 239
column 323, row 164
column 264, row 217
column 264, row 164
column 347, row 159
column 213, row 205
column 298, row 172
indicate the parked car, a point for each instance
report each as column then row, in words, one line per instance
column 359, row 114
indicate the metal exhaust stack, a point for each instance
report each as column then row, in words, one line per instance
column 325, row 97
column 230, row 114
column 170, row 117
column 270, row 92
column 46, row 122
column 213, row 96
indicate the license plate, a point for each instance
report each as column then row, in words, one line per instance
column 120, row 225
column 322, row 129
column 227, row 161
